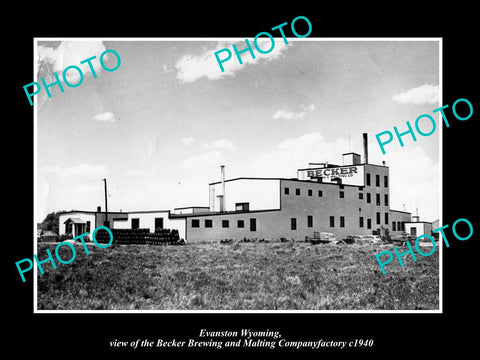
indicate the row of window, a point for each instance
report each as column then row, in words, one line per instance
column 342, row 195
column 398, row 226
column 136, row 223
column 377, row 180
column 293, row 221
column 208, row 223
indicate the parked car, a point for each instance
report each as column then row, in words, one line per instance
column 321, row 238
column 358, row 239
column 349, row 239
column 373, row 239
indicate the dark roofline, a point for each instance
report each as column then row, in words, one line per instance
column 284, row 179
column 190, row 207
column 405, row 212
column 92, row 212
column 144, row 211
column 246, row 178
column 114, row 212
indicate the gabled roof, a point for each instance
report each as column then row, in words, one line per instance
column 75, row 221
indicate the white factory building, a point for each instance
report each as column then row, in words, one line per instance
column 348, row 199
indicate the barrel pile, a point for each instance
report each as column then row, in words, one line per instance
column 139, row 236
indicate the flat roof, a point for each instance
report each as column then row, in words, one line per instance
column 418, row 222
column 284, row 179
column 405, row 212
column 91, row 212
column 191, row 207
column 216, row 213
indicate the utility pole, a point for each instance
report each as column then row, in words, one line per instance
column 106, row 206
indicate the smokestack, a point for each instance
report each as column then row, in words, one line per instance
column 365, row 147
column 222, row 168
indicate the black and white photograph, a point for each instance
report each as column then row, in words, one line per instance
column 296, row 181
column 260, row 187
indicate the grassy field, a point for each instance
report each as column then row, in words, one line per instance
column 239, row 276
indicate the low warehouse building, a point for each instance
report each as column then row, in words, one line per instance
column 348, row 199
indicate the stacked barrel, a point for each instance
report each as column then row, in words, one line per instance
column 163, row 236
column 139, row 236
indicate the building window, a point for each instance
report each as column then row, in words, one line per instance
column 394, row 226
column 253, row 224
column 135, row 223
column 378, row 199
column 369, row 223
column 369, row 199
column 360, row 196
column 386, row 199
column 240, row 223
column 360, row 221
column 403, row 225
column 360, row 188
column 195, row 223
column 385, row 181
column 310, row 221
column 225, row 224
column 368, row 179
column 297, row 191
column 378, row 218
column 293, row 223
column 88, row 227
column 377, row 180
column 68, row 228
column 342, row 187
column 320, row 193
column 332, row 221
column 208, row 223
column 242, row 206
column 342, row 194
column 158, row 223
column 287, row 191
column 386, row 218
column 342, row 221
column 310, row 192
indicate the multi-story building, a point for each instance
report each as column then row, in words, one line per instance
column 348, row 199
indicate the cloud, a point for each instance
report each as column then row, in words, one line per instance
column 106, row 116
column 289, row 115
column 425, row 94
column 207, row 160
column 70, row 53
column 187, row 140
column 220, row 144
column 193, row 67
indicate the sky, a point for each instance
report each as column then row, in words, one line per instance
column 159, row 127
